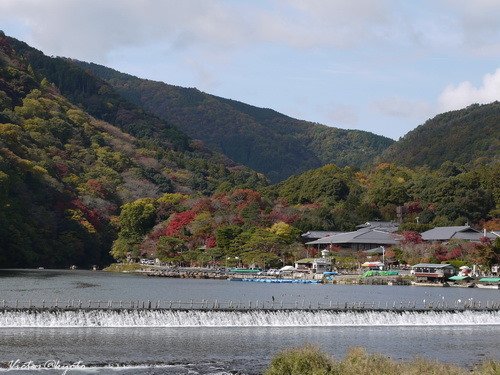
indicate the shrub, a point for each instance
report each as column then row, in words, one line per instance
column 300, row 361
column 309, row 360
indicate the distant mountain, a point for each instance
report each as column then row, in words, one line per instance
column 461, row 136
column 261, row 138
column 72, row 151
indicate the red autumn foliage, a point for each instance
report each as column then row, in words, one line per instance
column 335, row 249
column 411, row 237
column 243, row 197
column 454, row 254
column 485, row 240
column 179, row 221
column 440, row 253
column 237, row 220
column 210, row 242
column 92, row 215
column 280, row 213
column 157, row 232
column 413, row 207
column 96, row 188
column 203, row 204
column 313, row 252
column 61, row 169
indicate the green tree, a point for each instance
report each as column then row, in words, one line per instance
column 285, row 232
column 225, row 235
column 137, row 218
column 168, row 248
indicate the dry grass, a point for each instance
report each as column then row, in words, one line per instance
column 309, row 360
column 124, row 267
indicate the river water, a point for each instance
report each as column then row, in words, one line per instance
column 187, row 342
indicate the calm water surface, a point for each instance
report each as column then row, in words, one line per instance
column 223, row 350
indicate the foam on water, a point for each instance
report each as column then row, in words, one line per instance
column 193, row 318
column 126, row 368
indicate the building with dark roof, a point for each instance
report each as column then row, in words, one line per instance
column 432, row 271
column 464, row 232
column 361, row 239
column 317, row 234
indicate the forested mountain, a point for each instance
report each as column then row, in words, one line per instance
column 84, row 171
column 72, row 151
column 261, row 138
column 449, row 195
column 263, row 227
column 463, row 136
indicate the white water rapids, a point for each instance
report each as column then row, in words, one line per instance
column 193, row 318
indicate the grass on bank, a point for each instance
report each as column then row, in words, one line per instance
column 309, row 360
column 124, row 267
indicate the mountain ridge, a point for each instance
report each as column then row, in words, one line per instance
column 461, row 136
column 65, row 172
column 261, row 138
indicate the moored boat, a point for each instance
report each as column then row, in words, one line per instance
column 489, row 283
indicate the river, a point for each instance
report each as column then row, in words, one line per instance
column 200, row 342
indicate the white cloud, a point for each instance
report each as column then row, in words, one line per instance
column 465, row 93
column 478, row 24
column 312, row 23
column 92, row 29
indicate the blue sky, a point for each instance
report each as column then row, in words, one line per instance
column 378, row 65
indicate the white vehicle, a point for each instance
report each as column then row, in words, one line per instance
column 287, row 270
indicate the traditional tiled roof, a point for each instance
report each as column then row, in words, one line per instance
column 463, row 232
column 364, row 235
column 314, row 234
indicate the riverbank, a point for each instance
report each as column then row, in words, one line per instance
column 310, row 360
column 222, row 274
column 397, row 278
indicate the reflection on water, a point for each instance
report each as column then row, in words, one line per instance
column 36, row 285
column 80, row 284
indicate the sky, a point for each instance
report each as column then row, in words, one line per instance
column 383, row 66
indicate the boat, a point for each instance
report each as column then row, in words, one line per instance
column 245, row 270
column 462, row 281
column 415, row 283
column 489, row 283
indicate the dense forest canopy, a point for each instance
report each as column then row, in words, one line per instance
column 66, row 169
column 464, row 136
column 262, row 227
column 87, row 175
column 263, row 139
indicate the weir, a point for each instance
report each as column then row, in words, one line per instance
column 245, row 306
column 101, row 318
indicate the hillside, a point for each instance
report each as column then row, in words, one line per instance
column 263, row 228
column 450, row 195
column 72, row 151
column 260, row 138
column 461, row 136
